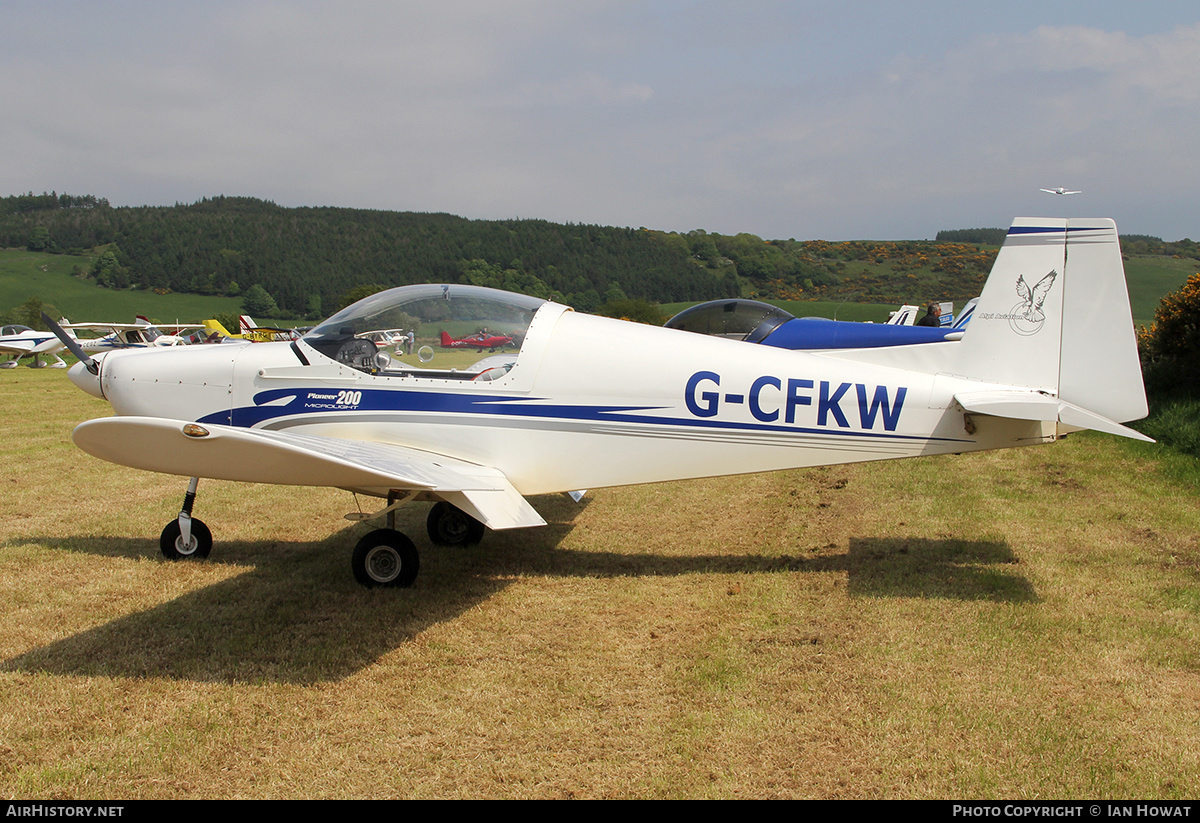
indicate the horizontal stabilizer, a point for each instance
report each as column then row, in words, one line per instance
column 258, row 456
column 1029, row 405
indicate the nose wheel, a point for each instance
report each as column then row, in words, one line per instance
column 175, row 547
column 186, row 538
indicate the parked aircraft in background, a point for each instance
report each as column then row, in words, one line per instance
column 589, row 401
column 139, row 334
column 479, row 341
column 215, row 332
column 385, row 337
column 753, row 322
column 264, row 334
column 21, row 341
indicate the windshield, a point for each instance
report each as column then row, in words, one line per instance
column 426, row 328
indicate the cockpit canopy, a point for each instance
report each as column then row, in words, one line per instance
column 747, row 320
column 424, row 320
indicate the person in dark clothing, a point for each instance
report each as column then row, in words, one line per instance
column 933, row 314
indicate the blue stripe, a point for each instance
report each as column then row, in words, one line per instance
column 1036, row 229
column 377, row 400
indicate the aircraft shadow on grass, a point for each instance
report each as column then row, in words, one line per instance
column 945, row 568
column 295, row 617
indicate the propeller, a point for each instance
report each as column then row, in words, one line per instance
column 72, row 345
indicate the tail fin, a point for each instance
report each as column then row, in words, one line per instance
column 1052, row 330
column 215, row 325
column 246, row 323
column 447, row 340
column 1054, row 316
column 1016, row 331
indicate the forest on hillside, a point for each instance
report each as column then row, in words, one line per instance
column 307, row 260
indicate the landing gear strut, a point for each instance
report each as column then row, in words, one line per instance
column 185, row 537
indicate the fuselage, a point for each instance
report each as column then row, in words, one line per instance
column 588, row 402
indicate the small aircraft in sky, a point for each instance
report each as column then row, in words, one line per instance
column 479, row 341
column 22, row 341
column 589, row 402
column 1060, row 190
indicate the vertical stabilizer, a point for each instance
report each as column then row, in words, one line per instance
column 1100, row 370
column 1015, row 332
column 1054, row 316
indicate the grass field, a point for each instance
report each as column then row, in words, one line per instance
column 1150, row 279
column 1019, row 624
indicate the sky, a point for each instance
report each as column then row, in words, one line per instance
column 831, row 120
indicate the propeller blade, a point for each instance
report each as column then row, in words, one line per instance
column 71, row 344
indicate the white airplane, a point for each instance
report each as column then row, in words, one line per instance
column 385, row 337
column 1060, row 190
column 589, row 401
column 22, row 341
column 140, row 334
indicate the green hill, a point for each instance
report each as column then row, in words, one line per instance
column 186, row 262
column 52, row 278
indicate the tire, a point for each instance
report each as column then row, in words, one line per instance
column 171, row 544
column 385, row 558
column 449, row 525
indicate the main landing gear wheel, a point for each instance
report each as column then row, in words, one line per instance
column 173, row 548
column 385, row 558
column 451, row 526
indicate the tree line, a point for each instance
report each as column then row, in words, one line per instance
column 301, row 262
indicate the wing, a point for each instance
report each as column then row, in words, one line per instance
column 177, row 328
column 16, row 346
column 105, row 327
column 259, row 456
column 30, row 346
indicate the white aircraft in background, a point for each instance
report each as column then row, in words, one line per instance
column 139, row 334
column 22, row 341
column 385, row 337
column 589, row 402
column 1060, row 190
